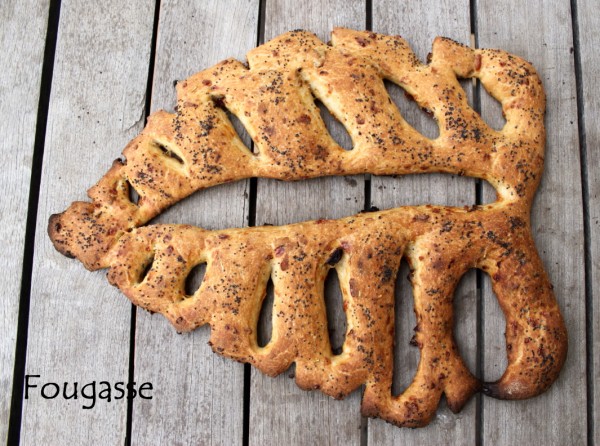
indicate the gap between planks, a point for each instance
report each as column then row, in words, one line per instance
column 589, row 293
column 16, row 407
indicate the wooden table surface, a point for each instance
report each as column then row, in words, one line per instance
column 78, row 81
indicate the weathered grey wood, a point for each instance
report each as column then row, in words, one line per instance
column 281, row 413
column 79, row 326
column 419, row 23
column 542, row 34
column 199, row 396
column 589, row 36
column 22, row 31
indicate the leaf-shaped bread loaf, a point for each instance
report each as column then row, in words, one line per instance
column 274, row 98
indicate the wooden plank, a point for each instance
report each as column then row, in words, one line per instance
column 22, row 31
column 281, row 413
column 558, row 416
column 589, row 35
column 419, row 24
column 79, row 326
column 201, row 392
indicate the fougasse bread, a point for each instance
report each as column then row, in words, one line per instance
column 274, row 98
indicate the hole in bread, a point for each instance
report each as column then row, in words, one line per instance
column 335, row 128
column 336, row 317
column 236, row 123
column 265, row 318
column 465, row 318
column 494, row 341
column 418, row 118
column 241, row 131
column 168, row 152
column 468, row 87
column 406, row 352
column 132, row 194
column 194, row 279
column 335, row 257
column 147, row 266
column 491, row 109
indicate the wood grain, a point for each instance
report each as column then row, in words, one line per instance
column 542, row 34
column 280, row 413
column 589, row 36
column 190, row 380
column 419, row 23
column 22, row 31
column 79, row 327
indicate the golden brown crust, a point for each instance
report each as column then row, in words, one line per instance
column 197, row 147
